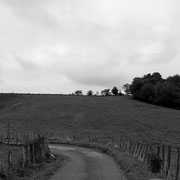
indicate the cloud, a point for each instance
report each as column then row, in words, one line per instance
column 25, row 64
column 86, row 43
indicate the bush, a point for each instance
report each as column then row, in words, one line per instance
column 154, row 162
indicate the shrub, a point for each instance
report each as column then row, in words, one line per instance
column 154, row 162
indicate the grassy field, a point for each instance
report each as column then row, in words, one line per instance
column 106, row 116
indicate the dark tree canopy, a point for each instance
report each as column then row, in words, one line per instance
column 115, row 90
column 105, row 92
column 90, row 93
column 175, row 80
column 154, row 89
column 126, row 88
column 78, row 93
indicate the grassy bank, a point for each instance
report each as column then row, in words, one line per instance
column 45, row 170
column 106, row 117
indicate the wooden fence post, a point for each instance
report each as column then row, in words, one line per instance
column 130, row 146
column 46, row 144
column 8, row 133
column 139, row 150
column 158, row 152
column 40, row 152
column 32, row 153
column 28, row 154
column 163, row 157
column 95, row 138
column 23, row 156
column 177, row 166
column 127, row 145
column 17, row 140
column 12, row 135
column 9, row 159
column 10, row 166
column 133, row 149
column 119, row 143
column 46, row 138
column 137, row 147
column 169, row 158
column 33, row 150
column 89, row 138
column 1, row 139
column 146, row 153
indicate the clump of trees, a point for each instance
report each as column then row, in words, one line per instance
column 105, row 92
column 126, row 88
column 114, row 91
column 78, row 93
column 90, row 93
column 154, row 89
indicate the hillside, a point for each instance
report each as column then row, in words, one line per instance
column 106, row 116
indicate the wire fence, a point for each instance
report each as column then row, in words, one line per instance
column 157, row 157
column 19, row 150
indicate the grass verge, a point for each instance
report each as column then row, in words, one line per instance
column 44, row 170
column 39, row 171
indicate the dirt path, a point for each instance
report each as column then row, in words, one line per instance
column 85, row 164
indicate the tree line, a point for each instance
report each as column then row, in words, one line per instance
column 154, row 89
column 105, row 92
column 151, row 88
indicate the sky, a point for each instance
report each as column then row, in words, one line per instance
column 60, row 46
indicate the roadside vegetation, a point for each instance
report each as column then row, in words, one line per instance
column 27, row 160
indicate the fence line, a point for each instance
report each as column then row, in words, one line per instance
column 167, row 156
column 34, row 149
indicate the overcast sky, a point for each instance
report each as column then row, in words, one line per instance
column 59, row 46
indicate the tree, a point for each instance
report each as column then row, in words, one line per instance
column 135, row 87
column 126, row 88
column 105, row 92
column 78, row 93
column 175, row 80
column 147, row 92
column 165, row 94
column 115, row 91
column 154, row 89
column 154, row 78
column 90, row 93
